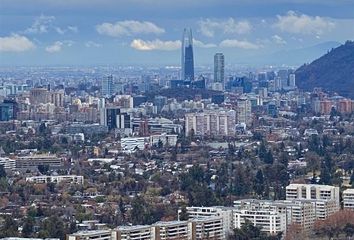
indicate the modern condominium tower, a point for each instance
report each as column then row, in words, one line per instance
column 187, row 63
column 219, row 71
column 219, row 67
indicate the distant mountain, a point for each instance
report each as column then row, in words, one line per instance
column 333, row 71
column 301, row 55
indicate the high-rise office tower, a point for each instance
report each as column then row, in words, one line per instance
column 187, row 63
column 115, row 118
column 219, row 67
column 219, row 71
column 107, row 86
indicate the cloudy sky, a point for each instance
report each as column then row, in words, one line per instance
column 148, row 32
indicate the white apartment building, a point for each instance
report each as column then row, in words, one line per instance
column 90, row 235
column 244, row 111
column 270, row 221
column 324, row 208
column 312, row 191
column 56, row 179
column 301, row 212
column 217, row 211
column 166, row 139
column 8, row 163
column 298, row 212
column 131, row 144
column 214, row 123
column 140, row 232
column 324, row 198
column 172, row 230
column 348, row 199
column 206, row 228
column 31, row 161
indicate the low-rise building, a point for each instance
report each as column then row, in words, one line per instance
column 224, row 212
column 270, row 221
column 206, row 228
column 56, row 179
column 32, row 161
column 312, row 192
column 8, row 163
column 172, row 230
column 348, row 199
column 139, row 232
column 131, row 144
column 90, row 235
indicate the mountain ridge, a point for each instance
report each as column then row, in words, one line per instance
column 334, row 71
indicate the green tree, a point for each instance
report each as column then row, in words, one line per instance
column 160, row 144
column 352, row 179
column 2, row 172
column 183, row 215
column 241, row 182
column 27, row 229
column 54, row 226
column 349, row 229
column 269, row 159
column 259, row 183
column 9, row 228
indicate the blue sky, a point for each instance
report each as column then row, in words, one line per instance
column 148, row 32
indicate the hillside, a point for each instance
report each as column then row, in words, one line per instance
column 333, row 72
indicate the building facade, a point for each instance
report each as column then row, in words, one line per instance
column 187, row 63
column 212, row 123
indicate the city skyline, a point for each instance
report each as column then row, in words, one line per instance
column 148, row 31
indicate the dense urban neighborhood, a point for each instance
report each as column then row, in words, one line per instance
column 136, row 148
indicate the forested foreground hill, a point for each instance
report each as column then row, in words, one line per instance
column 333, row 72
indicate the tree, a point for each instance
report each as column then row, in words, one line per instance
column 259, row 183
column 269, row 159
column 27, row 229
column 349, row 229
column 250, row 232
column 339, row 222
column 9, row 228
column 54, row 226
column 2, row 172
column 183, row 215
column 294, row 232
column 352, row 179
column 262, row 151
column 240, row 183
column 160, row 144
column 43, row 169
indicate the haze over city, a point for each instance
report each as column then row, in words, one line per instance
column 148, row 32
column 176, row 120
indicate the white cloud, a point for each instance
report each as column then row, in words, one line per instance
column 90, row 44
column 62, row 31
column 201, row 44
column 209, row 27
column 73, row 29
column 128, row 28
column 58, row 45
column 41, row 24
column 157, row 44
column 45, row 24
column 234, row 43
column 303, row 24
column 15, row 43
column 278, row 40
column 59, row 30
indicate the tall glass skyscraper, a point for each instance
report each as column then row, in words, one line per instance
column 187, row 63
column 219, row 71
column 107, row 86
column 219, row 67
